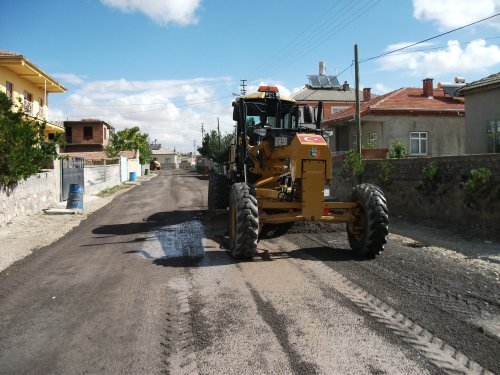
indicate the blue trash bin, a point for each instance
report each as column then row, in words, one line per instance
column 75, row 197
column 133, row 176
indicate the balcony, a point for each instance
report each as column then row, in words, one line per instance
column 55, row 120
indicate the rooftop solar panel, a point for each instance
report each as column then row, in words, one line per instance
column 323, row 82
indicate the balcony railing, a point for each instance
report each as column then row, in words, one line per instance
column 28, row 107
column 54, row 118
column 43, row 113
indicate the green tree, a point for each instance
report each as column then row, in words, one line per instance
column 353, row 163
column 215, row 148
column 130, row 139
column 23, row 147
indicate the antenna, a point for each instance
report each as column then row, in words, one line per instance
column 243, row 86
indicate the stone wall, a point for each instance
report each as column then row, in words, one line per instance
column 30, row 196
column 442, row 205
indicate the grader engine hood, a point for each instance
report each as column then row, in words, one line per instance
column 311, row 166
column 309, row 147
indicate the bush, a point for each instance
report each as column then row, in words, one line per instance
column 398, row 150
column 353, row 163
column 431, row 178
column 479, row 185
column 384, row 176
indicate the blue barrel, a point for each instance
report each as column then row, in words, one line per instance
column 75, row 197
column 133, row 176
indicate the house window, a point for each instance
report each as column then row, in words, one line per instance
column 69, row 134
column 9, row 90
column 28, row 103
column 355, row 141
column 372, row 140
column 418, row 143
column 87, row 132
column 335, row 109
column 493, row 134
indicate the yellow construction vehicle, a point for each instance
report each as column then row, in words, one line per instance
column 276, row 174
column 154, row 165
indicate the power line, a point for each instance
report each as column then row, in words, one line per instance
column 153, row 110
column 347, row 15
column 431, row 38
column 297, row 38
column 441, row 46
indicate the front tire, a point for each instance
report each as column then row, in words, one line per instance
column 368, row 233
column 243, row 221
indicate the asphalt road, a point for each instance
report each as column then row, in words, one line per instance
column 142, row 286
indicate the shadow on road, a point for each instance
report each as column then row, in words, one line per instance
column 151, row 222
column 222, row 257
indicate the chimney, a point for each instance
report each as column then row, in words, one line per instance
column 367, row 95
column 428, row 88
column 322, row 68
column 345, row 86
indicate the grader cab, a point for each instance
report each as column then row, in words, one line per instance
column 276, row 175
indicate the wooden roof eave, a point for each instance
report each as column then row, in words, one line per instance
column 29, row 71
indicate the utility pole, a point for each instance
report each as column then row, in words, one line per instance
column 243, row 86
column 358, row 111
column 218, row 132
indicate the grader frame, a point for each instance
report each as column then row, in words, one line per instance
column 276, row 176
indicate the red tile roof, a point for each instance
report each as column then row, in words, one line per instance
column 405, row 100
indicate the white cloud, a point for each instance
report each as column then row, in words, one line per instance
column 163, row 12
column 450, row 14
column 381, row 89
column 454, row 59
column 68, row 78
column 170, row 111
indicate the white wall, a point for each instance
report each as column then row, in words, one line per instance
column 100, row 177
column 30, row 196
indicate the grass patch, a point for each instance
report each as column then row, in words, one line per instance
column 112, row 190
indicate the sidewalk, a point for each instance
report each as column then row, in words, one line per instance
column 24, row 235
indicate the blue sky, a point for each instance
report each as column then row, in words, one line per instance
column 171, row 65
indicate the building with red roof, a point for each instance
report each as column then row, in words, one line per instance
column 427, row 120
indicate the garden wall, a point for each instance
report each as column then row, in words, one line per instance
column 100, row 177
column 30, row 196
column 444, row 204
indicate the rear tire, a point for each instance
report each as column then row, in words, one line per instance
column 372, row 221
column 243, row 221
column 218, row 189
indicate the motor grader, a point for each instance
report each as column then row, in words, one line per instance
column 275, row 176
